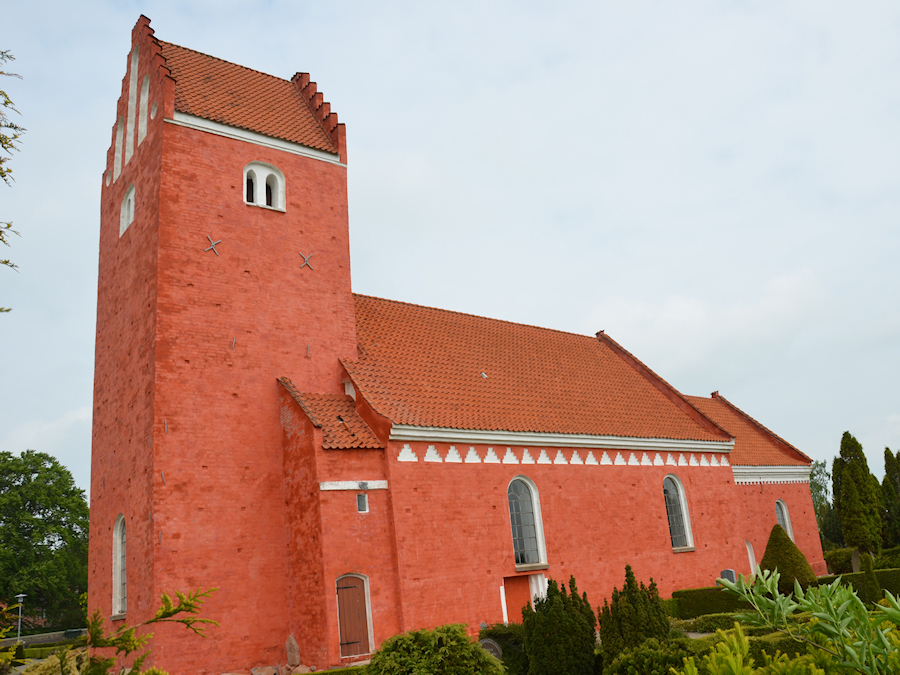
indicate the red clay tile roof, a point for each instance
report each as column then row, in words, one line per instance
column 342, row 427
column 224, row 92
column 754, row 445
column 423, row 367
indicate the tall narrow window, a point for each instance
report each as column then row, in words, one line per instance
column 677, row 513
column 270, row 189
column 120, row 577
column 525, row 521
column 783, row 517
column 126, row 215
column 250, row 197
column 354, row 615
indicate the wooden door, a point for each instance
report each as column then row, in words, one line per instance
column 352, row 616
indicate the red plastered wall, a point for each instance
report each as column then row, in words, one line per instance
column 124, row 371
column 455, row 544
column 758, row 519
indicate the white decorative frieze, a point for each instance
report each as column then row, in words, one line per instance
column 526, row 457
column 491, row 457
column 646, row 461
column 453, row 455
column 472, row 457
column 510, row 457
column 658, row 460
column 544, row 458
column 576, row 458
column 745, row 475
column 605, row 458
column 560, row 458
column 620, row 461
column 591, row 460
column 431, row 455
column 407, row 454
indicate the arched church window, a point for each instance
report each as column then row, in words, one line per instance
column 264, row 186
column 783, row 517
column 525, row 521
column 677, row 513
column 120, row 577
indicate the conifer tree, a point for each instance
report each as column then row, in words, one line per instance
column 871, row 590
column 633, row 615
column 783, row 555
column 890, row 495
column 857, row 497
column 560, row 632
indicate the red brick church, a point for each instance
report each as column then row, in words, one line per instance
column 342, row 467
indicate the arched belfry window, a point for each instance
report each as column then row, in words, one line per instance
column 525, row 521
column 120, row 577
column 677, row 513
column 783, row 517
column 264, row 186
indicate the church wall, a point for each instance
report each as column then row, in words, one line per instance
column 757, row 504
column 226, row 330
column 123, row 426
column 455, row 544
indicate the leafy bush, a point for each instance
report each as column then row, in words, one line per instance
column 635, row 614
column 694, row 602
column 839, row 560
column 560, row 632
column 888, row 559
column 446, row 650
column 708, row 623
column 783, row 555
column 511, row 638
column 652, row 657
column 871, row 590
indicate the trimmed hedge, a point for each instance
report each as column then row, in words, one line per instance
column 653, row 657
column 783, row 555
column 889, row 580
column 889, row 559
column 671, row 607
column 694, row 602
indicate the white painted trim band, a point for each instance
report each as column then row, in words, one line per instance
column 406, row 432
column 353, row 485
column 771, row 474
column 201, row 124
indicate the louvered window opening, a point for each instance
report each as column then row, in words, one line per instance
column 675, row 514
column 521, row 516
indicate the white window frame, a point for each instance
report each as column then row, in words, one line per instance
column 265, row 174
column 782, row 507
column 337, row 610
column 752, row 556
column 120, row 567
column 685, row 515
column 126, row 213
column 538, row 525
column 365, row 502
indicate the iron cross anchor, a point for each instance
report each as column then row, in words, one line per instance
column 306, row 261
column 212, row 245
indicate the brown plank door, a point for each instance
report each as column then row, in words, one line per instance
column 352, row 616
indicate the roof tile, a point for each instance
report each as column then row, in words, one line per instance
column 224, row 92
column 342, row 427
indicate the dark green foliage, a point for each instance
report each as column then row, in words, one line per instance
column 839, row 560
column 772, row 644
column 890, row 496
column 446, row 650
column 671, row 607
column 43, row 538
column 830, row 531
column 708, row 623
column 693, row 602
column 871, row 590
column 651, row 657
column 783, row 555
column 634, row 614
column 511, row 638
column 888, row 559
column 857, row 497
column 560, row 632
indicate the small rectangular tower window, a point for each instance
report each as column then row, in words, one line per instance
column 362, row 503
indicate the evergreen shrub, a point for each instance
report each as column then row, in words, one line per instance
column 694, row 602
column 708, row 623
column 888, row 559
column 511, row 638
column 560, row 632
column 651, row 657
column 446, row 650
column 871, row 589
column 783, row 555
column 839, row 560
column 671, row 607
column 635, row 614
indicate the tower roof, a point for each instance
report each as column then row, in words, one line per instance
column 216, row 90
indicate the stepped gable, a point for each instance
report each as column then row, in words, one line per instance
column 754, row 444
column 430, row 367
column 335, row 414
column 224, row 92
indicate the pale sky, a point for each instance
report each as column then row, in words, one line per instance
column 714, row 184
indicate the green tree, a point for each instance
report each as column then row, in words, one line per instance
column 890, row 496
column 857, row 497
column 782, row 554
column 43, row 537
column 10, row 133
column 560, row 632
column 635, row 614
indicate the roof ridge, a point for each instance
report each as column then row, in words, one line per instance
column 216, row 58
column 298, row 397
column 475, row 316
column 778, row 439
column 664, row 387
